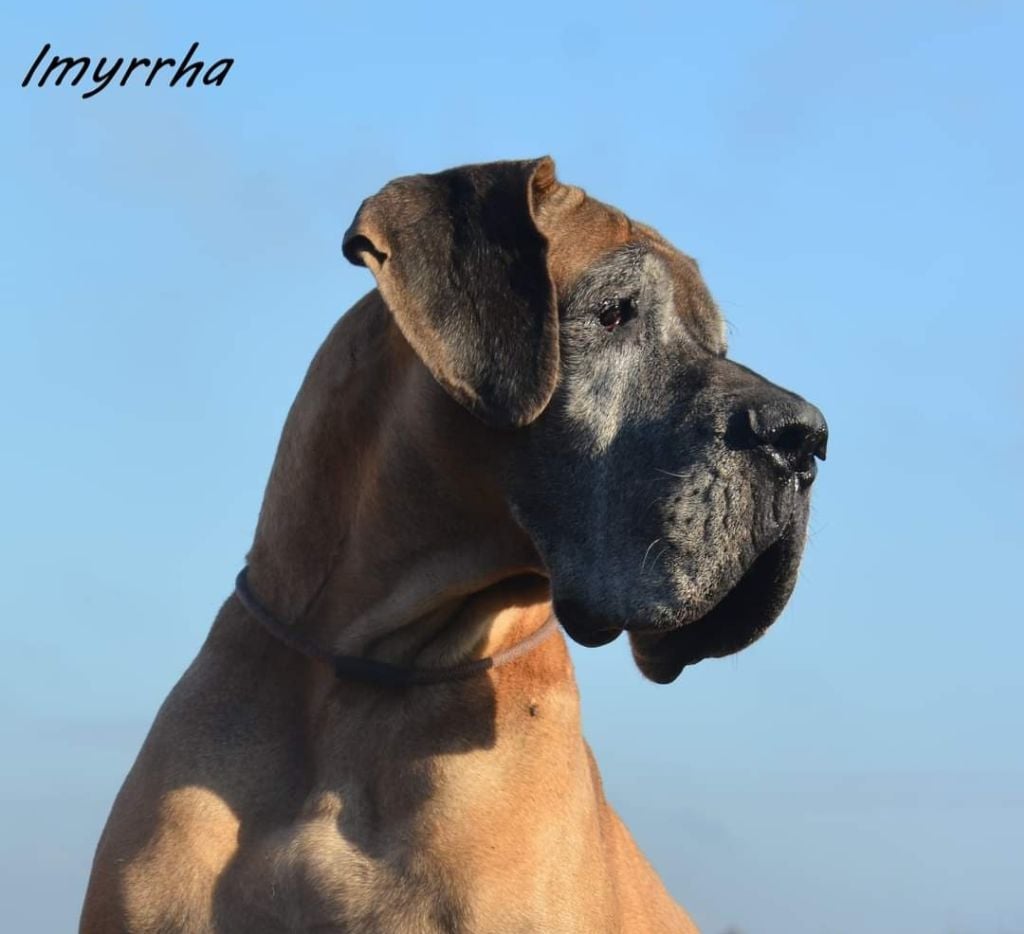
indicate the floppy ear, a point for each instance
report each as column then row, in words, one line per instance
column 462, row 265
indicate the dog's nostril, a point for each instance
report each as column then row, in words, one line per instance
column 792, row 430
column 790, row 439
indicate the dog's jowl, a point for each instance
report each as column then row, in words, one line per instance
column 532, row 418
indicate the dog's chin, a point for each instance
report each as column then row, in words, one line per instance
column 738, row 619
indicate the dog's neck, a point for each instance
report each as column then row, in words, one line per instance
column 348, row 547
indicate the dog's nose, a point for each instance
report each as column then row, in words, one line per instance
column 792, row 431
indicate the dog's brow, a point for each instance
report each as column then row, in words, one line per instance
column 696, row 306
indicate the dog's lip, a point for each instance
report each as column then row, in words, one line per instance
column 738, row 618
column 673, row 621
column 570, row 614
column 595, row 638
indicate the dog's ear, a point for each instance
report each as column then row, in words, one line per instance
column 460, row 261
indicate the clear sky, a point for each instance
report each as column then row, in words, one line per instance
column 848, row 175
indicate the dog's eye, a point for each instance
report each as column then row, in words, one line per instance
column 613, row 312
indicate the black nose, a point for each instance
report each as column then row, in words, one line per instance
column 792, row 431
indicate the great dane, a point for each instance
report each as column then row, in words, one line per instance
column 531, row 418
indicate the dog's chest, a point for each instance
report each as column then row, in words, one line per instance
column 312, row 878
column 322, row 873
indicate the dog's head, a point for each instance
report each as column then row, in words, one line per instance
column 664, row 487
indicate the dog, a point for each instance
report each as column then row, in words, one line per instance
column 531, row 418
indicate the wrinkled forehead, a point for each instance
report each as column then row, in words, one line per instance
column 595, row 245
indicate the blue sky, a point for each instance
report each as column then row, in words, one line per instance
column 848, row 175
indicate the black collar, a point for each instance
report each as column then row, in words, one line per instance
column 354, row 668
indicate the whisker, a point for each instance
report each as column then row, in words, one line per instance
column 646, row 553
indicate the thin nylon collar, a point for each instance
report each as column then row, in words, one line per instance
column 354, row 668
